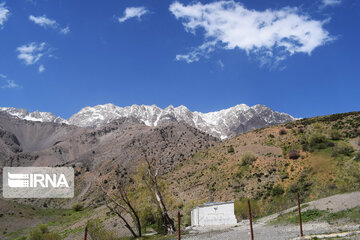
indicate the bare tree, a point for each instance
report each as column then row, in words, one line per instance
column 120, row 204
column 151, row 181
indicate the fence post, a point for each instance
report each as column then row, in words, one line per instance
column 85, row 234
column 250, row 218
column 300, row 221
column 179, row 228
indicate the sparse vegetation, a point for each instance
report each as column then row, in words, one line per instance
column 97, row 231
column 294, row 154
column 77, row 207
column 282, row 131
column 343, row 148
column 247, row 158
column 306, row 216
column 241, row 209
column 357, row 156
column 335, row 134
column 42, row 233
column 231, row 149
column 277, row 190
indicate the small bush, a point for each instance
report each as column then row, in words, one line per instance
column 294, row 154
column 317, row 141
column 247, row 158
column 343, row 148
column 147, row 216
column 357, row 156
column 97, row 231
column 335, row 134
column 277, row 190
column 187, row 212
column 282, row 131
column 77, row 207
column 42, row 233
column 231, row 149
column 241, row 209
column 294, row 188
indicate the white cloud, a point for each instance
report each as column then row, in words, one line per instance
column 46, row 22
column 270, row 35
column 132, row 12
column 31, row 53
column 41, row 68
column 9, row 83
column 329, row 3
column 65, row 30
column 4, row 13
column 221, row 64
column 43, row 21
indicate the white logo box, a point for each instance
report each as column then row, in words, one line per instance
column 38, row 182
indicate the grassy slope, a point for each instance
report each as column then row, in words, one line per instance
column 217, row 174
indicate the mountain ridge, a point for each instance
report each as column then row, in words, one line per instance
column 222, row 124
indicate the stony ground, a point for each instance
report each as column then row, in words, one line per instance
column 265, row 231
column 268, row 232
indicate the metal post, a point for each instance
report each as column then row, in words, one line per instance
column 300, row 221
column 85, row 234
column 250, row 218
column 179, row 229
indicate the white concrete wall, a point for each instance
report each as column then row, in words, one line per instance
column 219, row 214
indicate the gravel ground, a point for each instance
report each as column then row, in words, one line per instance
column 268, row 232
column 264, row 231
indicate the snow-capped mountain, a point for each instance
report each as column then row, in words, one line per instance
column 33, row 116
column 222, row 124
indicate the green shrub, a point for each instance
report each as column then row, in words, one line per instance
column 187, row 212
column 231, row 149
column 357, row 156
column 317, row 141
column 241, row 209
column 77, row 207
column 147, row 216
column 247, row 158
column 42, row 233
column 97, row 231
column 277, row 190
column 343, row 148
column 311, row 215
column 335, row 134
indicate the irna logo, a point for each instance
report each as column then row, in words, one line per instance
column 38, row 182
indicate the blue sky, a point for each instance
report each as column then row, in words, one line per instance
column 299, row 57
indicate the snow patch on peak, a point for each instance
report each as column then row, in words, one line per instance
column 223, row 124
column 33, row 116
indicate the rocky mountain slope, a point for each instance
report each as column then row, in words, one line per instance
column 221, row 124
column 122, row 142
